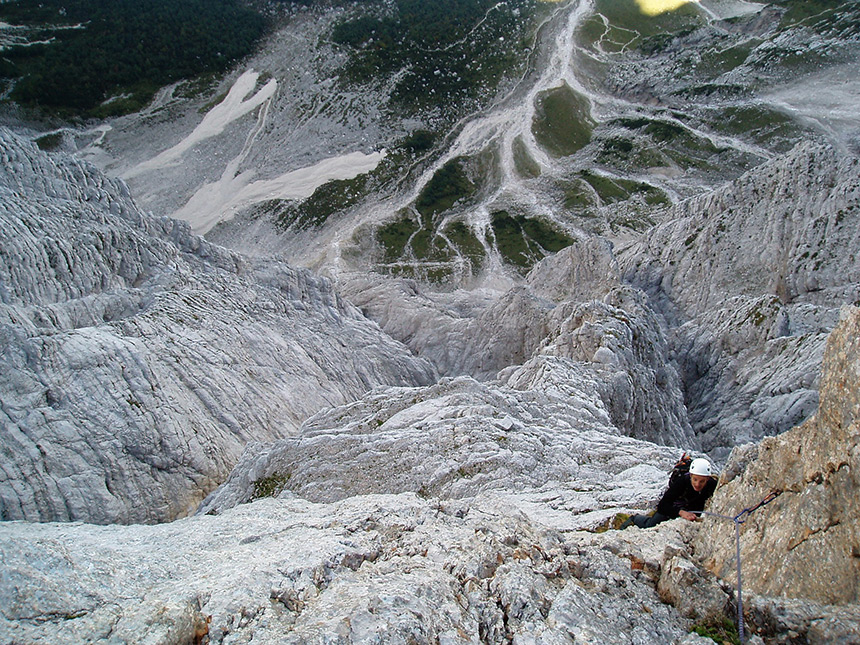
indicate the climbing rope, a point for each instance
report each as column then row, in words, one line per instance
column 739, row 519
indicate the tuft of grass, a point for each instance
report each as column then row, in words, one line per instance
column 612, row 523
column 719, row 629
column 270, row 486
column 50, row 142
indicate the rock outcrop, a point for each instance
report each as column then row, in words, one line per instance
column 381, row 568
column 806, row 543
column 138, row 359
column 456, row 439
column 574, row 307
column 750, row 278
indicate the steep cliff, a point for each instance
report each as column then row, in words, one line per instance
column 749, row 279
column 139, row 359
column 806, row 543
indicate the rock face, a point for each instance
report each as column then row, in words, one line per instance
column 382, row 568
column 750, row 278
column 573, row 320
column 806, row 543
column 452, row 440
column 138, row 359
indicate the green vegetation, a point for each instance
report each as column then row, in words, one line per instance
column 448, row 52
column 563, row 123
column 333, row 197
column 406, row 241
column 763, row 124
column 578, row 195
column 525, row 166
column 419, row 141
column 623, row 152
column 466, row 242
column 448, row 186
column 719, row 629
column 629, row 27
column 617, row 189
column 522, row 241
column 394, row 237
column 720, row 61
column 108, row 57
column 49, row 142
column 270, row 486
column 818, row 13
column 671, row 140
column 613, row 523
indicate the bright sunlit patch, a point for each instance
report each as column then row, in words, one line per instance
column 656, row 7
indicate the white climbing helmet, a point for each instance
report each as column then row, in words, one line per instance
column 700, row 467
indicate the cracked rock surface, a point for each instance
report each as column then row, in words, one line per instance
column 806, row 543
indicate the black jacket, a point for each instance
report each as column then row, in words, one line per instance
column 681, row 496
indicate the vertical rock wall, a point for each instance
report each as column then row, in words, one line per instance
column 806, row 543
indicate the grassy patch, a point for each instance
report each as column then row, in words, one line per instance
column 466, row 243
column 617, row 189
column 448, row 186
column 270, row 486
column 612, row 523
column 819, row 14
column 394, row 236
column 673, row 141
column 719, row 629
column 525, row 166
column 719, row 61
column 577, row 195
column 563, row 123
column 764, row 125
column 419, row 141
column 332, row 197
column 49, row 142
column 522, row 241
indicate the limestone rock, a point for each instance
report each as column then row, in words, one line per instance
column 786, row 620
column 613, row 343
column 750, row 278
column 694, row 591
column 139, row 359
column 393, row 568
column 805, row 543
column 451, row 440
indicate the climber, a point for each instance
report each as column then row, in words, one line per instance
column 685, row 497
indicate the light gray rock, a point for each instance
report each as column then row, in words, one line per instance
column 786, row 620
column 386, row 568
column 476, row 332
column 614, row 343
column 694, row 591
column 750, row 278
column 139, row 359
column 621, row 339
column 453, row 439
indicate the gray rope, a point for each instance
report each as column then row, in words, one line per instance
column 738, row 520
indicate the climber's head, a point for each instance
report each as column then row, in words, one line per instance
column 700, row 473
